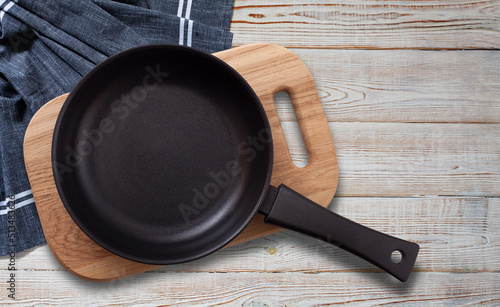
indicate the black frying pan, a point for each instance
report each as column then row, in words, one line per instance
column 163, row 154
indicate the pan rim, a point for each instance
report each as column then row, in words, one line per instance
column 57, row 132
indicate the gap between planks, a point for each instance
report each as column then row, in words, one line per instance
column 369, row 25
column 455, row 235
column 247, row 289
column 404, row 86
column 407, row 159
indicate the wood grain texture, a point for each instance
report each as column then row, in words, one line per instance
column 455, row 235
column 259, row 289
column 404, row 85
column 431, row 24
column 411, row 159
column 268, row 68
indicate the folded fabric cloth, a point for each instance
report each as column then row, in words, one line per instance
column 46, row 46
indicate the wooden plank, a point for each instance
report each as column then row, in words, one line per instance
column 431, row 24
column 455, row 235
column 409, row 159
column 257, row 289
column 404, row 85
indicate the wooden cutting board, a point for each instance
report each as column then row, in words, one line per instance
column 268, row 69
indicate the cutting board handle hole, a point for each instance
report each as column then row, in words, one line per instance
column 293, row 135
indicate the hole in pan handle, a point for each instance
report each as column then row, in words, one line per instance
column 286, row 208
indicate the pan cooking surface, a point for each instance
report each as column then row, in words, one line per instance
column 152, row 156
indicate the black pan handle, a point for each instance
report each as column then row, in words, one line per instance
column 286, row 208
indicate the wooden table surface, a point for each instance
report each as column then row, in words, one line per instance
column 411, row 92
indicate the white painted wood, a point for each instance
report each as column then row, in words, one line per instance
column 404, row 85
column 429, row 24
column 455, row 235
column 258, row 289
column 410, row 159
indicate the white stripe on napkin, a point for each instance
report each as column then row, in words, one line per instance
column 17, row 196
column 188, row 9
column 183, row 22
column 190, row 33
column 6, row 8
column 181, row 31
column 18, row 205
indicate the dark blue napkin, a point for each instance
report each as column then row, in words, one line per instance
column 46, row 46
